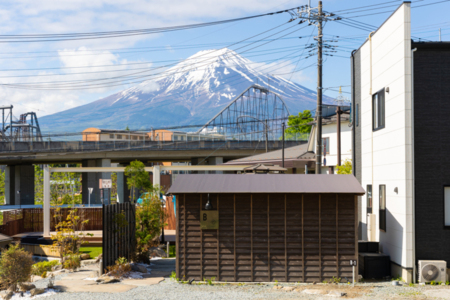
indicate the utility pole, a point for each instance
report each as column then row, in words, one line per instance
column 338, row 119
column 282, row 150
column 316, row 16
column 319, row 93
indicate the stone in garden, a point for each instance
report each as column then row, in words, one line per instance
column 99, row 258
column 25, row 287
column 12, row 288
column 57, row 267
column 336, row 294
column 110, row 280
column 94, row 274
column 138, row 268
column 156, row 251
column 277, row 287
column 36, row 291
column 6, row 295
column 85, row 256
column 288, row 288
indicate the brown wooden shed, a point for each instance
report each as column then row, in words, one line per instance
column 284, row 227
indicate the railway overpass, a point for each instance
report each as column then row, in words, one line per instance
column 19, row 158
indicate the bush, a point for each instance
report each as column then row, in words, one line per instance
column 72, row 262
column 150, row 218
column 15, row 266
column 121, row 268
column 41, row 268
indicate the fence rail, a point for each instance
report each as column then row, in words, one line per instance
column 31, row 219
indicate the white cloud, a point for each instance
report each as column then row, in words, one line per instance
column 149, row 86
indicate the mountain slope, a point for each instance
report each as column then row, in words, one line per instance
column 190, row 93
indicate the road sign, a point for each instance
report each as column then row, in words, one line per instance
column 90, row 190
column 105, row 184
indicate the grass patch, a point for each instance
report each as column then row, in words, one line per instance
column 92, row 251
column 172, row 251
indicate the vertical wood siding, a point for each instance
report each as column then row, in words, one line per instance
column 267, row 237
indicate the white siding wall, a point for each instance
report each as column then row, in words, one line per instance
column 386, row 153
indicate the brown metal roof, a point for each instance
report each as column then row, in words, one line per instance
column 266, row 183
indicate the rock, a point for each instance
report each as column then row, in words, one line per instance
column 25, row 287
column 138, row 268
column 336, row 294
column 314, row 282
column 156, row 251
column 277, row 287
column 85, row 256
column 110, row 280
column 314, row 292
column 12, row 288
column 99, row 258
column 422, row 283
column 6, row 295
column 36, row 291
column 288, row 288
column 57, row 268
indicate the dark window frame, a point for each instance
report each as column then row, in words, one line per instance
column 382, row 212
column 369, row 211
column 446, row 227
column 326, row 150
column 379, row 112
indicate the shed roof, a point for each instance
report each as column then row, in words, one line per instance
column 266, row 183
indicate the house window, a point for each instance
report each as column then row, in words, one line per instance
column 447, row 206
column 111, row 136
column 135, row 137
column 382, row 196
column 326, row 145
column 369, row 198
column 119, row 136
column 378, row 110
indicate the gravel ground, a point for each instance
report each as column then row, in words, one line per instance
column 169, row 289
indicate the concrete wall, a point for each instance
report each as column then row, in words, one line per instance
column 385, row 62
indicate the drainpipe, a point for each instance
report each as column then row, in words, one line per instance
column 413, row 170
column 371, row 131
column 353, row 116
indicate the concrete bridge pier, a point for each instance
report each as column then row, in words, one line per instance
column 19, row 185
column 91, row 180
column 123, row 192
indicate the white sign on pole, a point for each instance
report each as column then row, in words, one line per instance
column 105, row 183
column 90, row 190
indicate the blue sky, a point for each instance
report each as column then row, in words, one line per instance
column 283, row 56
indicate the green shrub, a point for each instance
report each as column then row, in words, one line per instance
column 121, row 268
column 43, row 267
column 15, row 266
column 72, row 262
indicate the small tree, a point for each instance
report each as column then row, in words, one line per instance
column 297, row 125
column 137, row 178
column 150, row 218
column 70, row 233
column 15, row 266
column 346, row 168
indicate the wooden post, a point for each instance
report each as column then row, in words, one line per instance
column 218, row 244
column 201, row 242
column 184, row 236
column 303, row 243
column 234, row 236
column 177, row 245
column 285, row 239
column 320, row 239
column 251, row 234
column 268, row 237
column 337, row 236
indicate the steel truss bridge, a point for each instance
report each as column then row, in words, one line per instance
column 257, row 111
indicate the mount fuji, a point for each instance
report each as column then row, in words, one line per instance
column 190, row 93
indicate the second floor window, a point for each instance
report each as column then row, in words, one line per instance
column 378, row 110
column 369, row 198
column 326, row 145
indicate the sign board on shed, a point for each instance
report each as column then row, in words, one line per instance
column 209, row 219
column 105, row 183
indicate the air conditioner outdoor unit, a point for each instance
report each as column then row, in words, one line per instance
column 432, row 270
column 371, row 227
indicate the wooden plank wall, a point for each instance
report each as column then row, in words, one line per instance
column 267, row 237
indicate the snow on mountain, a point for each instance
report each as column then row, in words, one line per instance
column 191, row 92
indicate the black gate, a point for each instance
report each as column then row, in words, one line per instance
column 119, row 227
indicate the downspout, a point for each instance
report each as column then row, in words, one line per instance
column 371, row 131
column 413, row 170
column 353, row 115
